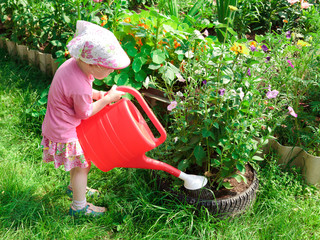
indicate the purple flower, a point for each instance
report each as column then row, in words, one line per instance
column 204, row 82
column 249, row 72
column 172, row 105
column 272, row 94
column 288, row 34
column 253, row 48
column 264, row 48
column 267, row 59
column 290, row 64
column 292, row 112
column 221, row 91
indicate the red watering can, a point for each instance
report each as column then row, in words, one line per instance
column 118, row 136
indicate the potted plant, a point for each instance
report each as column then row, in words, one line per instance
column 218, row 110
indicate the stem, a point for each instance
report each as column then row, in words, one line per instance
column 78, row 6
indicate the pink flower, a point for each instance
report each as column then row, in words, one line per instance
column 180, row 78
column 97, row 1
column 205, row 33
column 292, row 112
column 290, row 64
column 222, row 91
column 172, row 106
column 272, row 94
column 305, row 5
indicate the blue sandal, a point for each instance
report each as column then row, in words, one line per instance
column 88, row 210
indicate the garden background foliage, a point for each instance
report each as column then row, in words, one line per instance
column 234, row 73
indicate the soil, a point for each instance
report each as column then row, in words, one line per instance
column 237, row 187
column 210, row 192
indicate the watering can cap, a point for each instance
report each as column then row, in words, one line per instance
column 97, row 45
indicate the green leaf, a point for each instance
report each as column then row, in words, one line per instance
column 146, row 50
column 35, row 114
column 132, row 52
column 121, row 79
column 219, row 151
column 199, row 154
column 183, row 165
column 43, row 100
column 98, row 82
column 66, row 18
column 109, row 80
column 257, row 158
column 207, row 133
column 227, row 185
column 43, row 112
column 241, row 168
column 169, row 74
column 216, row 125
column 56, row 43
column 259, row 38
column 153, row 66
column 237, row 177
column 136, row 65
column 158, row 57
column 129, row 47
column 140, row 76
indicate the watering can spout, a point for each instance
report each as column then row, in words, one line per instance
column 191, row 182
column 149, row 163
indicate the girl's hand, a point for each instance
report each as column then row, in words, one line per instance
column 101, row 94
column 114, row 95
column 97, row 95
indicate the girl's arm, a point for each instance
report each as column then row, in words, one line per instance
column 97, row 95
column 112, row 96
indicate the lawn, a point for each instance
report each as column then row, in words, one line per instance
column 34, row 204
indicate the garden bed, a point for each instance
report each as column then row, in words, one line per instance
column 221, row 202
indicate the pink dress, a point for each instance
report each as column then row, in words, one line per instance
column 69, row 101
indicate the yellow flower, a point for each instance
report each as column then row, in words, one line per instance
column 232, row 8
column 239, row 48
column 104, row 18
column 66, row 53
column 253, row 43
column 127, row 20
column 303, row 43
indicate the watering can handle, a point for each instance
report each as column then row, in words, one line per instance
column 148, row 111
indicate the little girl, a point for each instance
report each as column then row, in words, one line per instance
column 95, row 53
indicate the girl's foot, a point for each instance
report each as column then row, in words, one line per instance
column 90, row 192
column 88, row 210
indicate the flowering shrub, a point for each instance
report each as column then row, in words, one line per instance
column 219, row 114
column 156, row 45
column 293, row 67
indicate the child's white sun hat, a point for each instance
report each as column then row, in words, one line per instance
column 97, row 45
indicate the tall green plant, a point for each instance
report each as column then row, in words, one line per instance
column 225, row 16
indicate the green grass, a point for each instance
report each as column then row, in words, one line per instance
column 33, row 203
